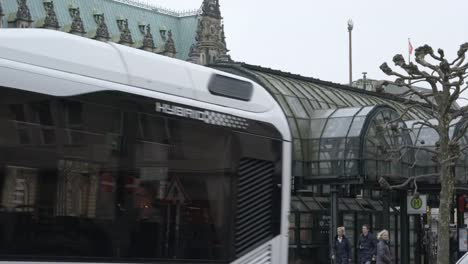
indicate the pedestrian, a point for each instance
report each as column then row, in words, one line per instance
column 383, row 251
column 341, row 248
column 367, row 246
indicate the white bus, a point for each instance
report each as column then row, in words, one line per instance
column 113, row 154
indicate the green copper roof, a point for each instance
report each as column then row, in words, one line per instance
column 183, row 26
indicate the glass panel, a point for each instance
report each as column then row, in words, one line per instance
column 137, row 186
column 342, row 206
column 315, row 104
column 292, row 236
column 297, row 150
column 292, row 88
column 283, row 105
column 306, row 220
column 304, row 127
column 325, row 105
column 298, row 168
column 351, row 98
column 353, row 205
column 303, row 90
column 293, row 126
column 299, row 205
column 428, row 136
column 296, row 107
column 306, row 236
column 314, row 148
column 346, row 112
column 279, row 86
column 337, row 127
column 357, row 125
column 311, row 203
column 334, row 98
column 376, row 204
column 366, row 110
column 319, row 114
column 316, row 127
column 308, row 107
column 350, row 232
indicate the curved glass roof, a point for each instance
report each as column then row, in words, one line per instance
column 427, row 138
column 328, row 121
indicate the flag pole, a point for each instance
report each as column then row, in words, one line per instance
column 409, row 51
column 410, row 47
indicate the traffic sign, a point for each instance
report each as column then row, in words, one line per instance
column 417, row 205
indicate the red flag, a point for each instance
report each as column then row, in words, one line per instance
column 410, row 47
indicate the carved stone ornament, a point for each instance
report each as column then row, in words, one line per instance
column 125, row 34
column 102, row 33
column 1, row 14
column 148, row 41
column 23, row 13
column 50, row 20
column 193, row 49
column 169, row 47
column 77, row 26
column 223, row 37
column 211, row 8
column 199, row 35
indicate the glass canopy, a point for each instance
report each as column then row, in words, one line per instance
column 354, row 143
column 329, row 123
column 426, row 137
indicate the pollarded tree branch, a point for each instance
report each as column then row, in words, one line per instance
column 421, row 53
column 401, row 78
column 463, row 131
column 447, row 84
column 424, row 123
column 460, row 112
column 461, row 55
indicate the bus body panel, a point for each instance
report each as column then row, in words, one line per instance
column 23, row 72
column 121, row 64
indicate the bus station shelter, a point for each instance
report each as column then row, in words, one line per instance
column 344, row 140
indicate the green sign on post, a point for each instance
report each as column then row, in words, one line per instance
column 417, row 205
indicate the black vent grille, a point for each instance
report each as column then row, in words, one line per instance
column 255, row 193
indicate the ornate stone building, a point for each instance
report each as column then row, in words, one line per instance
column 1, row 15
column 196, row 36
column 211, row 41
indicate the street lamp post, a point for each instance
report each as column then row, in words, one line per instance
column 350, row 29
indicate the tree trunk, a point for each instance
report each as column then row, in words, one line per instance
column 446, row 198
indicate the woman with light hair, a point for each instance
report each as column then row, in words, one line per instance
column 341, row 251
column 383, row 251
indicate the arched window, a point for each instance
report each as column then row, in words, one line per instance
column 202, row 59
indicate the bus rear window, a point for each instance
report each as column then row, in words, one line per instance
column 81, row 179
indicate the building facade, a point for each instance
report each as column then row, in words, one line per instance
column 196, row 36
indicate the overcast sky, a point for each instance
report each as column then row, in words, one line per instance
column 310, row 37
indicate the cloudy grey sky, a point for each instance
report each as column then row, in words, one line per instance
column 310, row 37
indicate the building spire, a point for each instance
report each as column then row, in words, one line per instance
column 210, row 46
column 211, row 8
column 23, row 15
column 1, row 14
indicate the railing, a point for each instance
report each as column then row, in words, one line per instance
column 152, row 7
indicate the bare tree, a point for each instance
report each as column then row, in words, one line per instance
column 446, row 80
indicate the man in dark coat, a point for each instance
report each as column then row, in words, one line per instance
column 341, row 248
column 367, row 246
